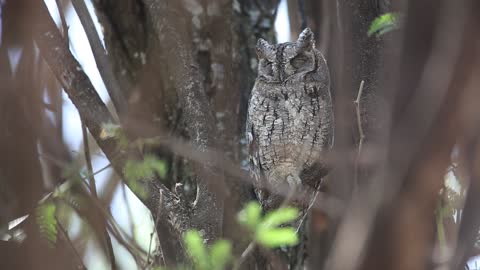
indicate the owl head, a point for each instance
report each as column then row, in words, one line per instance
column 282, row 62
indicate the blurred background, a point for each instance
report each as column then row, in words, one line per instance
column 408, row 154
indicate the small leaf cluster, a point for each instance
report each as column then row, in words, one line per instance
column 215, row 258
column 384, row 24
column 46, row 221
column 135, row 171
column 267, row 230
column 113, row 131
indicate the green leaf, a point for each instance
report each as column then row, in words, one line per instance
column 196, row 250
column 114, row 131
column 220, row 254
column 267, row 232
column 156, row 165
column 135, row 171
column 274, row 238
column 109, row 130
column 384, row 24
column 46, row 221
column 279, row 216
column 71, row 171
column 250, row 215
column 138, row 170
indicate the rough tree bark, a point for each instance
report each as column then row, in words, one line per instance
column 199, row 66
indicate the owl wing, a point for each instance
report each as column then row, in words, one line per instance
column 254, row 158
column 252, row 147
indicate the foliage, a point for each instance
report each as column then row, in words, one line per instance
column 266, row 229
column 135, row 171
column 46, row 221
column 71, row 171
column 114, row 131
column 383, row 24
column 216, row 257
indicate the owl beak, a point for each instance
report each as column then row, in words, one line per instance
column 282, row 75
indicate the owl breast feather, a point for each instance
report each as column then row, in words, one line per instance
column 288, row 123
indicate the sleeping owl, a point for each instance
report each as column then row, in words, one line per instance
column 289, row 125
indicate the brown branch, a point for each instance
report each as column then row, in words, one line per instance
column 470, row 220
column 63, row 20
column 111, row 225
column 64, row 235
column 173, row 32
column 93, row 189
column 88, row 161
column 101, row 59
column 162, row 254
column 430, row 117
column 94, row 112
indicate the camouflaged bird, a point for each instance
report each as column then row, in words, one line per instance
column 290, row 118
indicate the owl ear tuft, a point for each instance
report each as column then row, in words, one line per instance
column 263, row 47
column 306, row 39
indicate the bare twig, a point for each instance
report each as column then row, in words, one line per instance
column 63, row 20
column 112, row 227
column 92, row 109
column 93, row 189
column 470, row 221
column 103, row 65
column 129, row 209
column 64, row 235
column 361, row 133
column 151, row 237
column 250, row 248
column 88, row 161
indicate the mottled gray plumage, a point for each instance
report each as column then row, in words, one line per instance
column 290, row 118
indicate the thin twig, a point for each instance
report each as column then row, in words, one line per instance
column 153, row 232
column 129, row 210
column 112, row 227
column 93, row 189
column 360, row 131
column 95, row 113
column 63, row 20
column 64, row 234
column 250, row 248
column 88, row 161
column 61, row 164
column 101, row 58
column 58, row 100
column 312, row 203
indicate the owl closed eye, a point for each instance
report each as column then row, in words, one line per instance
column 299, row 61
column 283, row 62
column 266, row 68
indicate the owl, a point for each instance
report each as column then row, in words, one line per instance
column 289, row 125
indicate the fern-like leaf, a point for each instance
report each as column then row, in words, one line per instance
column 46, row 221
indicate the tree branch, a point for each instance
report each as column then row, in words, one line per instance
column 93, row 190
column 100, row 55
column 172, row 30
column 94, row 112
